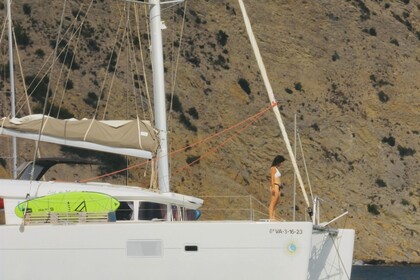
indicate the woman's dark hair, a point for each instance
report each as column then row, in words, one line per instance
column 277, row 160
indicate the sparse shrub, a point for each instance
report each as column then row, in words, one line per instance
column 26, row 9
column 383, row 97
column 288, row 90
column 193, row 113
column 395, row 42
column 315, row 127
column 4, row 70
column 69, row 84
column 380, row 183
column 244, row 85
column 187, row 123
column 111, row 59
column 65, row 56
column 389, row 140
column 373, row 209
column 222, row 38
column 372, row 78
column 406, row 151
column 22, row 38
column 3, row 162
column 191, row 160
column 222, row 61
column 93, row 45
column 37, row 88
column 331, row 16
column 91, row 99
column 371, row 31
column 39, row 53
column 387, row 5
column 298, row 86
column 335, row 56
column 404, row 202
column 87, row 31
column 54, row 111
column 192, row 59
column 1, row 6
column 364, row 10
column 176, row 103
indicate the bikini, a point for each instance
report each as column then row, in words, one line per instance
column 277, row 175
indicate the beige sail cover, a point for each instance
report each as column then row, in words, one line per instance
column 133, row 134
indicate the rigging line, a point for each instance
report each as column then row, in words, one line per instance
column 115, row 70
column 101, row 93
column 78, row 31
column 149, row 104
column 25, row 90
column 248, row 121
column 178, row 55
column 55, row 53
column 214, row 149
column 46, row 99
column 131, row 64
column 339, row 257
column 54, row 58
column 306, row 168
column 63, row 68
column 135, row 78
column 114, row 172
column 67, row 77
column 3, row 30
column 116, row 63
column 22, row 75
column 256, row 116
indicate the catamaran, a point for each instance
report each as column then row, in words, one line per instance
column 144, row 233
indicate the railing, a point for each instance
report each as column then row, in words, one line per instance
column 66, row 218
column 233, row 208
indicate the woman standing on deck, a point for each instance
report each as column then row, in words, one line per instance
column 275, row 185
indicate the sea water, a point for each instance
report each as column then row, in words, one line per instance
column 385, row 272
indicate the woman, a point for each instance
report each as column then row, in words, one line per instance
column 275, row 185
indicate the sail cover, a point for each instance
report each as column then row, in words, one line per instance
column 127, row 134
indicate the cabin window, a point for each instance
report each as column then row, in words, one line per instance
column 125, row 211
column 151, row 210
column 176, row 216
column 191, row 215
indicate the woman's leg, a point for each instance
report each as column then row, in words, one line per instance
column 275, row 195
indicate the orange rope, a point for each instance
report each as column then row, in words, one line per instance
column 257, row 115
column 248, row 121
column 230, row 139
column 115, row 172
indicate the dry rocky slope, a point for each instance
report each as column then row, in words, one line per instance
column 349, row 70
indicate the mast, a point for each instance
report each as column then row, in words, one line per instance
column 12, row 84
column 159, row 94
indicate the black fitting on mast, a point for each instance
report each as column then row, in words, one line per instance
column 310, row 212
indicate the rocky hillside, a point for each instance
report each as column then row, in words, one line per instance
column 348, row 70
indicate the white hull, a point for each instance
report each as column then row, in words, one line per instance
column 331, row 255
column 156, row 250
